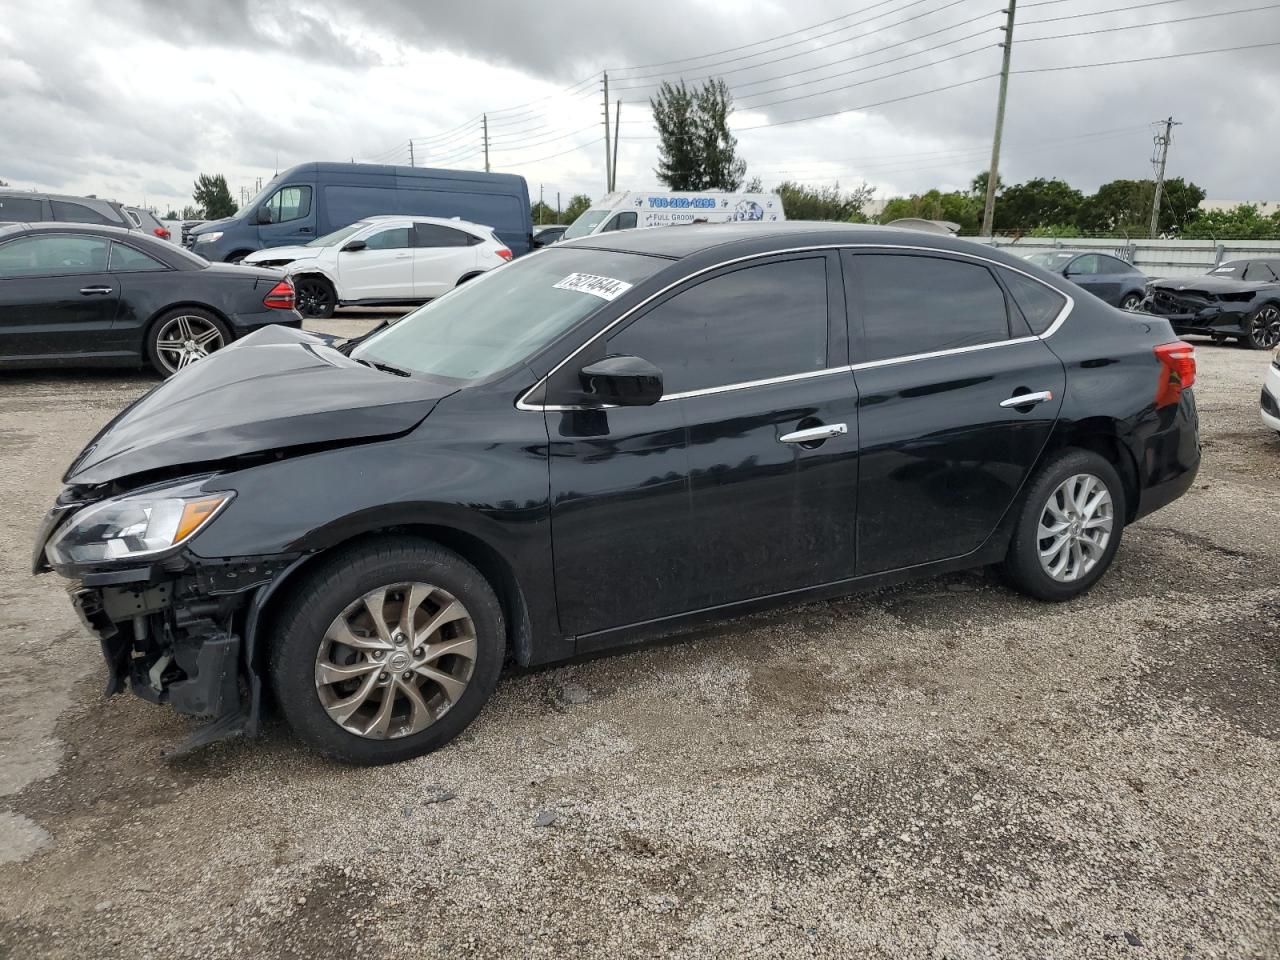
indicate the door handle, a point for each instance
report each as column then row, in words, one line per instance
column 404, row 256
column 90, row 291
column 815, row 434
column 1027, row 399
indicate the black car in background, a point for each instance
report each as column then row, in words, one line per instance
column 1239, row 299
column 546, row 234
column 1108, row 278
column 703, row 421
column 22, row 206
column 75, row 294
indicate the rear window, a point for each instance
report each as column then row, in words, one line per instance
column 1039, row 304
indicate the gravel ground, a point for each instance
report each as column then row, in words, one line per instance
column 944, row 769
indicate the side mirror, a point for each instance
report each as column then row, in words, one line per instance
column 263, row 215
column 354, row 246
column 623, row 381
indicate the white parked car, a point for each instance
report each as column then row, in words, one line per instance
column 384, row 260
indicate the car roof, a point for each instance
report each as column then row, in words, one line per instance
column 64, row 226
column 677, row 242
column 413, row 218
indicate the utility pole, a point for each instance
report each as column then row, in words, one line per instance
column 541, row 206
column 486, row 143
column 1158, row 160
column 617, row 125
column 557, row 206
column 993, row 175
column 411, row 163
column 608, row 165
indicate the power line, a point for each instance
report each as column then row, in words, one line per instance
column 1143, row 26
column 805, row 53
column 582, row 146
column 1100, row 13
column 1168, row 56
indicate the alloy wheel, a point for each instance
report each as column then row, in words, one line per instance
column 1131, row 302
column 184, row 339
column 396, row 660
column 311, row 298
column 1075, row 528
column 1266, row 327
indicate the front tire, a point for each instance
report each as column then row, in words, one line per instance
column 1068, row 527
column 315, row 297
column 387, row 651
column 1263, row 328
column 1131, row 302
column 183, row 336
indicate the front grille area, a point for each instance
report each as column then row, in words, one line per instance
column 1166, row 303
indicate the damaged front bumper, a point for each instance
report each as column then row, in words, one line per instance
column 189, row 638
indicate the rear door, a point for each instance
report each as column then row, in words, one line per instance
column 56, row 297
column 941, row 356
column 382, row 270
column 442, row 257
column 1087, row 271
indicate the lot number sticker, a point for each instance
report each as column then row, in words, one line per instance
column 606, row 288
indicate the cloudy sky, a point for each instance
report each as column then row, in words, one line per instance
column 131, row 99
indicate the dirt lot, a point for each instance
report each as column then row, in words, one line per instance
column 942, row 770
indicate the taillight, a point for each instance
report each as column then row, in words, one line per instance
column 280, row 297
column 161, row 232
column 504, row 253
column 1177, row 371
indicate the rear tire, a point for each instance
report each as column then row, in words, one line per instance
column 315, row 297
column 1053, row 530
column 182, row 337
column 1263, row 328
column 330, row 602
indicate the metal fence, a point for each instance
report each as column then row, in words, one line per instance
column 1156, row 258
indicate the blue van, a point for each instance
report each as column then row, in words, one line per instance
column 314, row 199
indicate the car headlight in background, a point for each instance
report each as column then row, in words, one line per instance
column 1275, row 358
column 208, row 237
column 135, row 526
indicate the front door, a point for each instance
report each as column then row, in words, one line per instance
column 381, row 270
column 288, row 217
column 56, row 297
column 741, row 482
column 945, row 446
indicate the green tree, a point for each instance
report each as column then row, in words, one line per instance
column 821, row 203
column 212, row 195
column 978, row 185
column 171, row 214
column 964, row 209
column 696, row 150
column 1124, row 207
column 1241, row 223
column 192, row 213
column 542, row 212
column 578, row 205
column 1037, row 203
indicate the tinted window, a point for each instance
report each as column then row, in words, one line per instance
column 397, row 238
column 1112, row 265
column 623, row 221
column 289, row 203
column 79, row 213
column 53, row 256
column 434, row 235
column 20, row 210
column 916, row 305
column 128, row 260
column 752, row 324
column 1258, row 270
column 1085, row 266
column 1039, row 304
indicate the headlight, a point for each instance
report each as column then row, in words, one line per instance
column 208, row 237
column 135, row 526
column 1275, row 358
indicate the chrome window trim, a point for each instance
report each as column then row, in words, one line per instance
column 1053, row 327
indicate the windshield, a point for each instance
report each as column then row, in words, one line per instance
column 338, row 235
column 1050, row 261
column 265, row 191
column 506, row 315
column 586, row 223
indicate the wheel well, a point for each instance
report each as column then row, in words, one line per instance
column 491, row 564
column 230, row 257
column 1108, row 446
column 314, row 275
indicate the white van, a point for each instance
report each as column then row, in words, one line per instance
column 623, row 211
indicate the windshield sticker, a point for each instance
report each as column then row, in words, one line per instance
column 606, row 288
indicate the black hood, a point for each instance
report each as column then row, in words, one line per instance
column 276, row 388
column 1208, row 284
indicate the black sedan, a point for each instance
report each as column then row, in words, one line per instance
column 76, row 294
column 1240, row 299
column 1108, row 278
column 701, row 421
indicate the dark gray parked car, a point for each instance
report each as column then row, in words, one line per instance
column 1108, row 278
column 23, row 206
